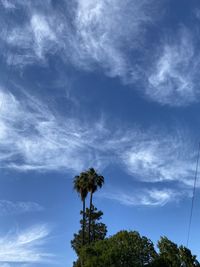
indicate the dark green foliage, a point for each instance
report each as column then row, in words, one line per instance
column 125, row 249
column 97, row 232
column 186, row 256
column 175, row 256
column 187, row 259
column 159, row 262
column 129, row 249
column 169, row 251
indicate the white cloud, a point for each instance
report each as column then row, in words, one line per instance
column 25, row 247
column 108, row 32
column 173, row 81
column 33, row 41
column 95, row 27
column 110, row 35
column 145, row 197
column 42, row 33
column 13, row 208
column 33, row 138
column 90, row 39
column 160, row 158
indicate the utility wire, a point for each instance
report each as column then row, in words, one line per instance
column 193, row 195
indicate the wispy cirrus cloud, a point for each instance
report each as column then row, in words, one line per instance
column 101, row 44
column 25, row 247
column 34, row 138
column 87, row 38
column 174, row 78
column 13, row 208
column 147, row 197
column 32, row 42
column 160, row 158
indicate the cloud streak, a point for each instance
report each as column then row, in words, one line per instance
column 146, row 197
column 33, row 138
column 175, row 75
column 100, row 44
column 89, row 41
column 32, row 42
column 25, row 247
column 160, row 158
column 15, row 208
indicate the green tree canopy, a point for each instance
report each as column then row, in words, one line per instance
column 175, row 256
column 169, row 251
column 125, row 249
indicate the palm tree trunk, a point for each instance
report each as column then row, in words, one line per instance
column 83, row 226
column 90, row 214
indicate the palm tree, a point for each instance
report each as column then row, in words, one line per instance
column 95, row 181
column 81, row 186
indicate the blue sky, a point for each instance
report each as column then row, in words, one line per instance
column 112, row 85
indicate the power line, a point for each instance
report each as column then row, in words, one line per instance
column 193, row 195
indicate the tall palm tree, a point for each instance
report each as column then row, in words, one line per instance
column 95, row 181
column 81, row 186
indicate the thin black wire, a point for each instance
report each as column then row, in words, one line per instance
column 193, row 196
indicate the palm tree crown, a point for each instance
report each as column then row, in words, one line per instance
column 95, row 180
column 81, row 185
